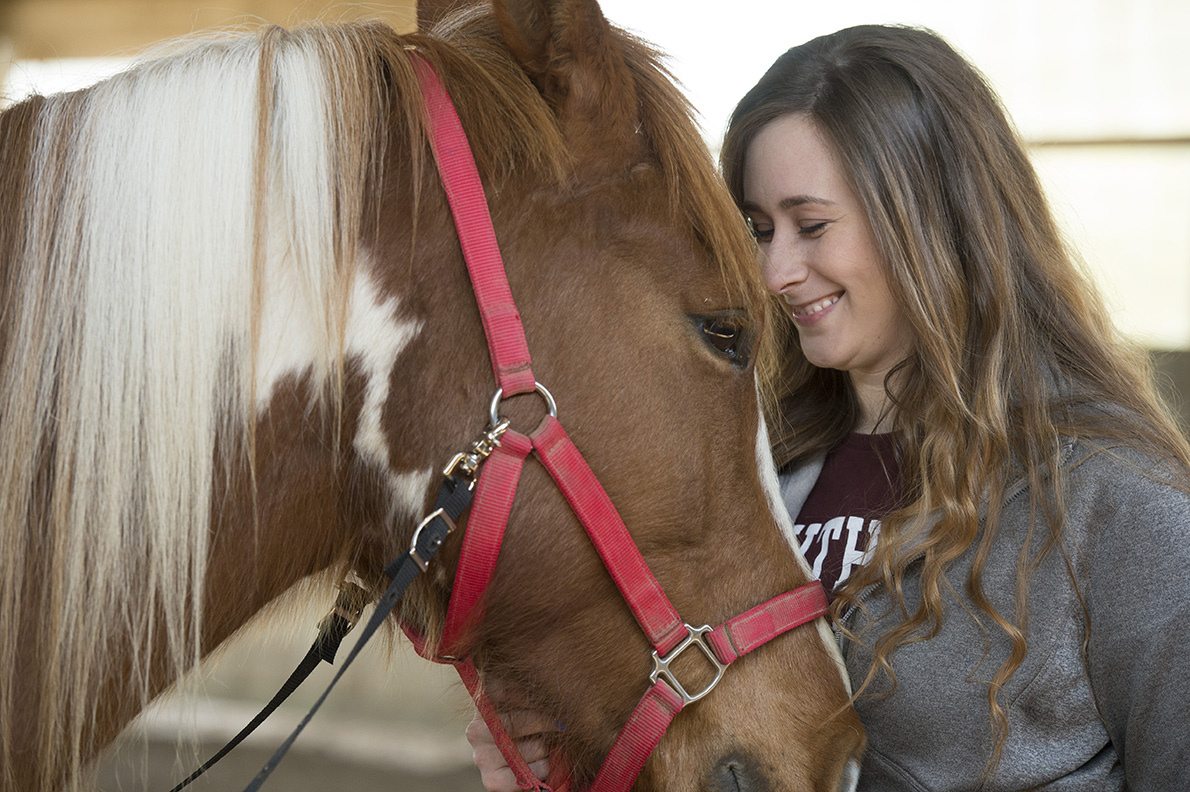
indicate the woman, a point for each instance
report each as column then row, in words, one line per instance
column 971, row 452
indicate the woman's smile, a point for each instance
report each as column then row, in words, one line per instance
column 813, row 311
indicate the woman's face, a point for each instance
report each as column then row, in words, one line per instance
column 818, row 251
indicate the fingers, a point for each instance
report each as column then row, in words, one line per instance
column 478, row 733
column 494, row 772
column 518, row 724
column 504, row 780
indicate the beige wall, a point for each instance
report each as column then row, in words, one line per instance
column 42, row 29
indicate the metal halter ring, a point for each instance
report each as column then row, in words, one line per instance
column 494, row 413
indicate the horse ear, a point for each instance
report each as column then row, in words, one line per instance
column 577, row 61
column 526, row 26
column 429, row 12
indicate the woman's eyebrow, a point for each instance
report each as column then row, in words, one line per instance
column 801, row 200
column 791, row 202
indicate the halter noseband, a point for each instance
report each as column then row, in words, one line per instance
column 506, row 450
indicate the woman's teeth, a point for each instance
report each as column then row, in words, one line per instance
column 814, row 308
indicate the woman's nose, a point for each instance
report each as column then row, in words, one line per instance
column 783, row 266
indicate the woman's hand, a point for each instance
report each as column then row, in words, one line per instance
column 526, row 727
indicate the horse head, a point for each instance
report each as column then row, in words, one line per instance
column 620, row 241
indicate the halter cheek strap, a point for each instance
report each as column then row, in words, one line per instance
column 468, row 204
column 669, row 635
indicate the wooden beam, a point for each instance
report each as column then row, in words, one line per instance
column 1115, row 142
column 41, row 29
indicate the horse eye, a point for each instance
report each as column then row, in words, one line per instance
column 727, row 336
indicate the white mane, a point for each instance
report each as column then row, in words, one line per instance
column 151, row 227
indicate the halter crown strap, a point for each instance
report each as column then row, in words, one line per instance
column 464, row 191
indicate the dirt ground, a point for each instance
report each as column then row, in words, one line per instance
column 394, row 722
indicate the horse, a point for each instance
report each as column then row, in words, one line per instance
column 239, row 343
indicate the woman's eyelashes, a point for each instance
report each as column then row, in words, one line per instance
column 762, row 230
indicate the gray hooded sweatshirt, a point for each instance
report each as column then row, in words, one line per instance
column 1111, row 715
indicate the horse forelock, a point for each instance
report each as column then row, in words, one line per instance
column 694, row 184
column 510, row 128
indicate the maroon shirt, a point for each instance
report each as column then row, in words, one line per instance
column 840, row 519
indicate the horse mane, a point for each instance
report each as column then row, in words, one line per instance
column 141, row 223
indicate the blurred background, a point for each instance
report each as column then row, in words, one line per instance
column 1100, row 90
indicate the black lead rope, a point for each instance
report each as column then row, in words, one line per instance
column 331, row 632
column 453, row 499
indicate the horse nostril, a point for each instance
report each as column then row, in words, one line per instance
column 737, row 773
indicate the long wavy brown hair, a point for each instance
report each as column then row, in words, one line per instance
column 1013, row 346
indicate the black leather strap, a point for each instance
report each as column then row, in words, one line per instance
column 313, row 657
column 454, row 496
column 453, row 499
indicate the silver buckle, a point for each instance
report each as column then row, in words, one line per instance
column 424, row 563
column 693, row 638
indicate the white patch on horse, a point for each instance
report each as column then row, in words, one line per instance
column 409, row 493
column 375, row 337
column 772, row 492
column 287, row 344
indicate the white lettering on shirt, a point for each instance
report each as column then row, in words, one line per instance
column 826, row 537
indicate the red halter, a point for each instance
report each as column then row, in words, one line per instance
column 662, row 625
